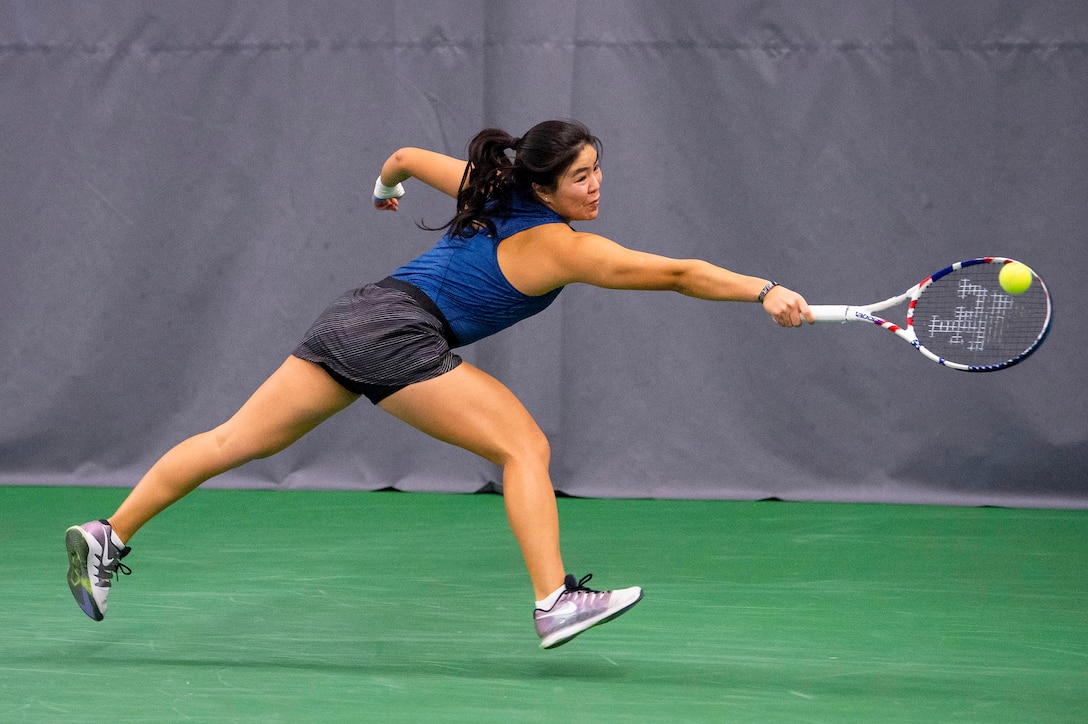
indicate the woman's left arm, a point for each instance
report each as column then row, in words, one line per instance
column 434, row 169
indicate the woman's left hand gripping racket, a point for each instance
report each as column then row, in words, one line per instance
column 961, row 317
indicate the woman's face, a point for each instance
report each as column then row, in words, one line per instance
column 577, row 193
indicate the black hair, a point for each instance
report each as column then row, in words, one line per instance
column 500, row 165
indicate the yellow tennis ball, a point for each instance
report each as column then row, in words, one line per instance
column 1015, row 278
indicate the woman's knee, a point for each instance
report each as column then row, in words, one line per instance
column 528, row 448
column 236, row 446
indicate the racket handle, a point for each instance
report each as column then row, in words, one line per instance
column 830, row 312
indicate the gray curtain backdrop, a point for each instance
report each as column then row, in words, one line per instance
column 187, row 184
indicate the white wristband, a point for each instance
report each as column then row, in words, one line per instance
column 382, row 192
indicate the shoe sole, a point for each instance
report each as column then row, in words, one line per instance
column 547, row 643
column 79, row 580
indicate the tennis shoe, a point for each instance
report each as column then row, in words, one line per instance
column 93, row 562
column 579, row 609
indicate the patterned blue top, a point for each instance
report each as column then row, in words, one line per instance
column 463, row 278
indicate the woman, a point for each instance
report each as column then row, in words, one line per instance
column 506, row 254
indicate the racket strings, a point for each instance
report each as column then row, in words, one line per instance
column 966, row 317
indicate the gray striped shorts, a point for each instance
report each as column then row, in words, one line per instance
column 381, row 338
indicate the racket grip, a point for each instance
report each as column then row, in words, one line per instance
column 830, row 312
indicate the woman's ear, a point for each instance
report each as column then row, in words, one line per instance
column 542, row 193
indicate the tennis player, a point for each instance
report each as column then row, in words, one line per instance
column 507, row 253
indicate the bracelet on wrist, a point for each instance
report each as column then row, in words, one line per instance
column 764, row 290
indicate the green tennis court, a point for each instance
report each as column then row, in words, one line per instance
column 284, row 606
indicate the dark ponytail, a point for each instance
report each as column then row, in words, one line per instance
column 500, row 165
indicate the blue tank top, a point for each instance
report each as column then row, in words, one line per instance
column 463, row 278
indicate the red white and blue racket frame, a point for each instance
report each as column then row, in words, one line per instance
column 868, row 313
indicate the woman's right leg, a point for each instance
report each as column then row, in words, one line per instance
column 292, row 401
column 470, row 408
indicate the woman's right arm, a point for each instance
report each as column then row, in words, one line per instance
column 557, row 255
column 434, row 169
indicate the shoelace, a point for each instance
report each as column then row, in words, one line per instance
column 118, row 567
column 121, row 567
column 580, row 585
column 573, row 586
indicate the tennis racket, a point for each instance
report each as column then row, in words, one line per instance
column 960, row 317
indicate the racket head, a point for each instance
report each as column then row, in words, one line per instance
column 962, row 318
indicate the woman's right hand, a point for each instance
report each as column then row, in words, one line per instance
column 787, row 307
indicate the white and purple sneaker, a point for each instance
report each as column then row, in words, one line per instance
column 94, row 559
column 579, row 609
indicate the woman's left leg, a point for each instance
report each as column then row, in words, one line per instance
column 295, row 399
